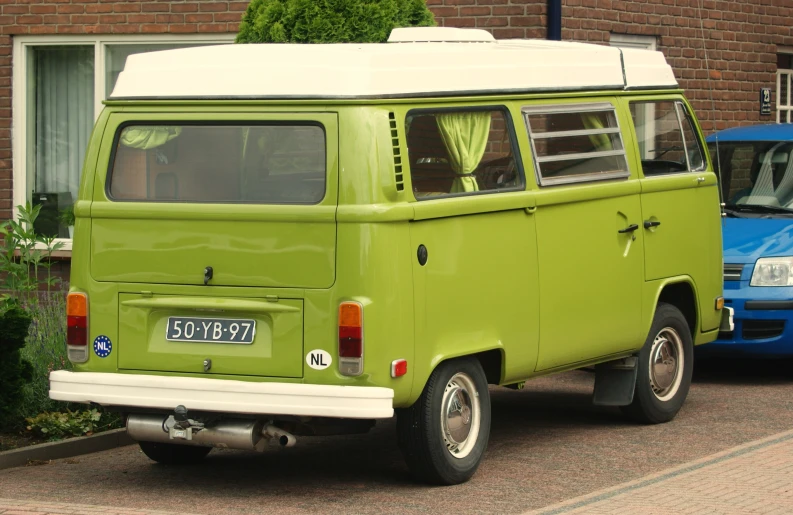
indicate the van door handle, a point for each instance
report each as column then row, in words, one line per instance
column 648, row 224
column 630, row 228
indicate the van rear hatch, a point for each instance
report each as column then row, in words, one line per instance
column 245, row 200
column 253, row 200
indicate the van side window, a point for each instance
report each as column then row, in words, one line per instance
column 461, row 152
column 576, row 143
column 260, row 164
column 666, row 137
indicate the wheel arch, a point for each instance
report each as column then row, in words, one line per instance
column 681, row 293
column 492, row 361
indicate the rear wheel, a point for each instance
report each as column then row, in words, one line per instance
column 172, row 454
column 444, row 434
column 666, row 363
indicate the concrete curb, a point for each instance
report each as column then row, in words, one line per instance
column 65, row 448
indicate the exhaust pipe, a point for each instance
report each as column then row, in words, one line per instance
column 283, row 438
column 246, row 435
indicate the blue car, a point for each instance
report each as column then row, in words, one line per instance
column 755, row 165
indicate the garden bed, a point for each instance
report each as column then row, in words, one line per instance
column 10, row 441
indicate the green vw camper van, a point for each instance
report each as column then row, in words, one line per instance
column 274, row 241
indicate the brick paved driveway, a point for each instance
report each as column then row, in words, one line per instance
column 548, row 445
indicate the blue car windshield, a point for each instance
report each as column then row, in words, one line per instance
column 755, row 173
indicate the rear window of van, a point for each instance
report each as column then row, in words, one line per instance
column 262, row 164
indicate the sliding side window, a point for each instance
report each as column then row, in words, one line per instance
column 576, row 143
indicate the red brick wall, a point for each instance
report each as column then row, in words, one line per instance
column 741, row 38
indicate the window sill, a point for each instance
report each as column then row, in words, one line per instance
column 62, row 254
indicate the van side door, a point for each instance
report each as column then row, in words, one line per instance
column 473, row 245
column 588, row 238
column 680, row 200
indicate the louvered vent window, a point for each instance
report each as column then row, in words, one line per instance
column 397, row 155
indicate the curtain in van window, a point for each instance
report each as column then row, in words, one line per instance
column 465, row 136
column 145, row 138
column 600, row 141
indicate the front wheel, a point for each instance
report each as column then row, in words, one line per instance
column 174, row 454
column 666, row 363
column 444, row 434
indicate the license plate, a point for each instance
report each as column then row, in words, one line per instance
column 210, row 330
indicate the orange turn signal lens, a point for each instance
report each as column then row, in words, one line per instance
column 77, row 305
column 350, row 314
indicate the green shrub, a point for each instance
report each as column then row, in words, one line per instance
column 59, row 425
column 15, row 372
column 329, row 21
column 33, row 296
column 45, row 349
column 25, row 263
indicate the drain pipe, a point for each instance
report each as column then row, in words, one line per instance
column 554, row 17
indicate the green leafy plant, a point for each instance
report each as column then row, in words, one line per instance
column 32, row 307
column 25, row 262
column 329, row 21
column 59, row 425
column 66, row 216
column 15, row 372
column 45, row 349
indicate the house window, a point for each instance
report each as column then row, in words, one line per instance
column 632, row 41
column 59, row 85
column 784, row 72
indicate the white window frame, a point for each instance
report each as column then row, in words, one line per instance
column 783, row 104
column 633, row 41
column 22, row 45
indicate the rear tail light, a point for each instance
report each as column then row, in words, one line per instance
column 77, row 327
column 350, row 338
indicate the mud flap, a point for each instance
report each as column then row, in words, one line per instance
column 615, row 382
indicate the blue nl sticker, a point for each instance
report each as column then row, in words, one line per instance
column 102, row 346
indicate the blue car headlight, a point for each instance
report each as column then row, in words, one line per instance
column 773, row 271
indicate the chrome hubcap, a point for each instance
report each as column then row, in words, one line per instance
column 666, row 363
column 460, row 415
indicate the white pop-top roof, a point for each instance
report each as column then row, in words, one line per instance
column 416, row 62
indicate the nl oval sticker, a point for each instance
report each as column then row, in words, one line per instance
column 318, row 359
